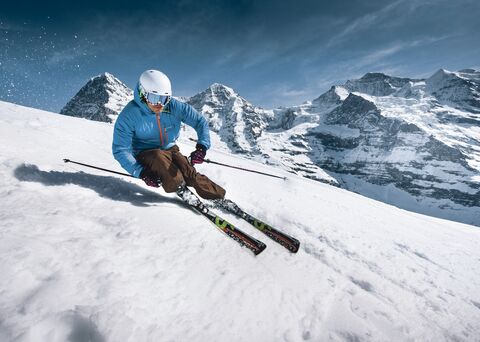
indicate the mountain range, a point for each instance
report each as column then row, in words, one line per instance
column 413, row 143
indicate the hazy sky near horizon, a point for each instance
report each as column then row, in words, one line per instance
column 271, row 52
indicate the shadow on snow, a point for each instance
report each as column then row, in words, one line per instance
column 106, row 186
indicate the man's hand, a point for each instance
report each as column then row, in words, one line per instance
column 150, row 178
column 198, row 156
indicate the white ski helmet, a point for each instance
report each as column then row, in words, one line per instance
column 156, row 82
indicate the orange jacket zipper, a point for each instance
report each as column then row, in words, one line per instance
column 160, row 129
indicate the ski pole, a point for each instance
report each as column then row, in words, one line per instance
column 238, row 168
column 98, row 168
column 206, row 161
column 243, row 169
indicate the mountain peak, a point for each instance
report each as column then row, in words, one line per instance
column 334, row 96
column 106, row 74
column 377, row 84
column 374, row 76
column 107, row 77
column 440, row 72
column 217, row 94
column 352, row 109
column 100, row 99
column 460, row 89
column 218, row 87
column 237, row 121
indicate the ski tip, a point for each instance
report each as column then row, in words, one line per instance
column 260, row 249
column 294, row 246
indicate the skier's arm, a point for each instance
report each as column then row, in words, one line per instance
column 192, row 118
column 122, row 146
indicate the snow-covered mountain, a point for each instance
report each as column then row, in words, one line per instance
column 386, row 149
column 414, row 143
column 101, row 99
column 355, row 129
column 377, row 84
column 459, row 89
column 399, row 140
column 394, row 139
column 90, row 256
column 237, row 122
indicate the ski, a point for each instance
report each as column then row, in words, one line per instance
column 256, row 246
column 283, row 239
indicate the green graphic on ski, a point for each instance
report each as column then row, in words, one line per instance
column 256, row 246
column 283, row 239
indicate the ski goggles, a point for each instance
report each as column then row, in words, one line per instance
column 156, row 99
column 152, row 98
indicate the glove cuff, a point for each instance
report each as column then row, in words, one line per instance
column 201, row 147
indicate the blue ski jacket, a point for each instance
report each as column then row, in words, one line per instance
column 137, row 129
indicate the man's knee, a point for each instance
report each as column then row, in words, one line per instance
column 172, row 184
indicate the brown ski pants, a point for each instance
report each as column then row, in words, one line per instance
column 173, row 169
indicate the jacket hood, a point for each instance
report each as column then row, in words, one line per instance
column 143, row 106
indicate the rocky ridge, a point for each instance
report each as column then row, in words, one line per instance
column 101, row 99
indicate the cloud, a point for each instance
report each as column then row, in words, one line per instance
column 379, row 55
column 273, row 95
column 252, row 51
column 363, row 23
column 64, row 56
column 317, row 78
column 74, row 52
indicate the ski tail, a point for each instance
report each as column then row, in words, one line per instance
column 256, row 246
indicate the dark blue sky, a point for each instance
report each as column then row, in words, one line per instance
column 271, row 52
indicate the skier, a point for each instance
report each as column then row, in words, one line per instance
column 145, row 134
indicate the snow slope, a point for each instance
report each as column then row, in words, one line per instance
column 89, row 256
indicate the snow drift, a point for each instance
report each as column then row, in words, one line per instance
column 87, row 256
